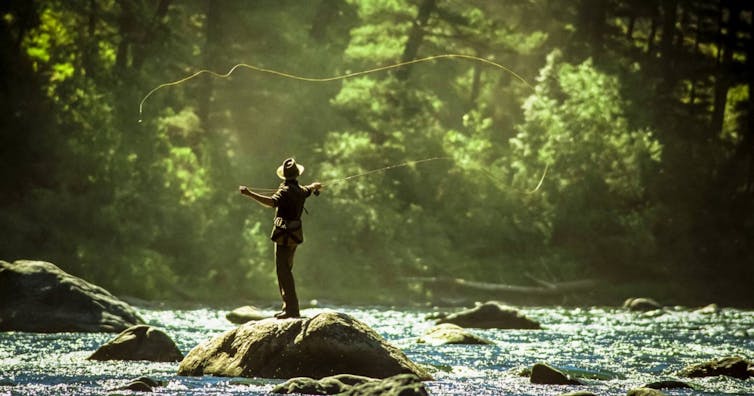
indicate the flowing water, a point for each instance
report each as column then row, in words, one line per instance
column 622, row 348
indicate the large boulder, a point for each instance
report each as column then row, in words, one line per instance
column 448, row 333
column 37, row 296
column 733, row 366
column 490, row 315
column 329, row 343
column 140, row 342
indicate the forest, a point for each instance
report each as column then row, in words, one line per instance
column 616, row 146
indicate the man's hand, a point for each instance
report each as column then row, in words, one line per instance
column 315, row 187
column 244, row 190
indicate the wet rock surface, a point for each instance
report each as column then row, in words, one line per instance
column 37, row 296
column 329, row 343
column 140, row 342
column 490, row 315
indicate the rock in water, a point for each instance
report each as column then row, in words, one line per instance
column 668, row 384
column 311, row 386
column 140, row 342
column 645, row 392
column 734, row 366
column 548, row 375
column 448, row 333
column 37, row 296
column 641, row 304
column 327, row 344
column 401, row 384
column 490, row 316
column 244, row 314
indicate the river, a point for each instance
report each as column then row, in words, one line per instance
column 629, row 349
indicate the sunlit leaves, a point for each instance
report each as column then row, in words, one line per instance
column 575, row 124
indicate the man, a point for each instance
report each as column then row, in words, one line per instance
column 287, row 232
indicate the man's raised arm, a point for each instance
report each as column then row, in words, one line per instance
column 262, row 199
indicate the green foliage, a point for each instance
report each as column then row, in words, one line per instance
column 595, row 196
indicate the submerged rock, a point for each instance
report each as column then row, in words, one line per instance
column 668, row 384
column 448, row 333
column 37, row 296
column 401, row 384
column 327, row 344
column 490, row 316
column 245, row 314
column 544, row 374
column 326, row 386
column 644, row 392
column 734, row 366
column 711, row 309
column 641, row 304
column 140, row 342
column 141, row 384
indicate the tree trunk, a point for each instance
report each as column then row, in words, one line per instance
column 722, row 80
column 651, row 37
column 667, row 50
column 415, row 37
column 592, row 17
column 148, row 36
column 212, row 33
column 630, row 29
column 125, row 29
column 544, row 288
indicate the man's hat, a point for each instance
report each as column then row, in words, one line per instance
column 290, row 169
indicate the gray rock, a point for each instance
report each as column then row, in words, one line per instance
column 327, row 344
column 448, row 333
column 245, row 314
column 578, row 393
column 399, row 385
column 641, row 304
column 37, row 296
column 544, row 374
column 734, row 366
column 490, row 316
column 644, row 392
column 140, row 342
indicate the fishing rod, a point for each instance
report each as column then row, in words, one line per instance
column 401, row 165
column 354, row 176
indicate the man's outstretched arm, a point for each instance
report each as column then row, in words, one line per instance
column 262, row 199
column 315, row 187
